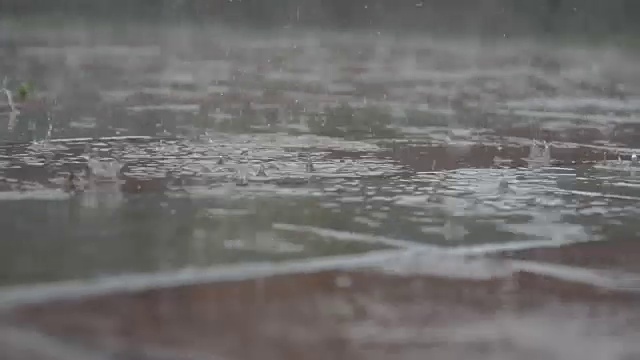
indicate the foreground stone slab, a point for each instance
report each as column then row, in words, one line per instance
column 363, row 314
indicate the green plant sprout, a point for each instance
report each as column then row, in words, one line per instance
column 24, row 91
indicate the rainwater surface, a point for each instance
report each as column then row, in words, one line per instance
column 196, row 193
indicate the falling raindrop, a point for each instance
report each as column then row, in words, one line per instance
column 49, row 130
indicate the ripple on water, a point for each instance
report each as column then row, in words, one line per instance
column 351, row 201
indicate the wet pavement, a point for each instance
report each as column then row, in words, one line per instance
column 377, row 313
column 305, row 196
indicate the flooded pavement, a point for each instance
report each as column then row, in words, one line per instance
column 208, row 194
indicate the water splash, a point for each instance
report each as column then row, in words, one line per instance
column 102, row 169
column 546, row 154
column 47, row 137
column 242, row 174
column 539, row 156
column 13, row 115
column 534, row 151
column 261, row 171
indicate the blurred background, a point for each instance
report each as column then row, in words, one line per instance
column 580, row 18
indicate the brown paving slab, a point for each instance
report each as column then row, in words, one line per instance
column 621, row 255
column 344, row 315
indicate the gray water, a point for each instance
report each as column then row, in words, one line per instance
column 203, row 217
column 199, row 141
column 199, row 83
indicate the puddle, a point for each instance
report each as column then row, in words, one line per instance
column 317, row 196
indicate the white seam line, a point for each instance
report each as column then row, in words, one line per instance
column 65, row 290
